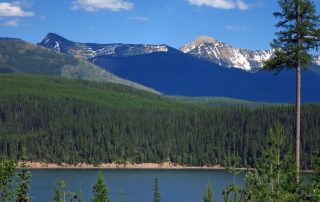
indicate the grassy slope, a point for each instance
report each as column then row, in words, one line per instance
column 108, row 94
column 19, row 56
column 215, row 101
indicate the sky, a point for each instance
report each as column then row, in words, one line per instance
column 240, row 23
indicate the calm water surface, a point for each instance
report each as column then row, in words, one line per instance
column 137, row 185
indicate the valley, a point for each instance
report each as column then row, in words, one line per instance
column 173, row 72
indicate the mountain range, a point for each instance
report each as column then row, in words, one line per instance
column 19, row 56
column 225, row 55
column 204, row 67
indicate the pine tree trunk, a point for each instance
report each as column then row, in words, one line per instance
column 298, row 96
column 298, row 103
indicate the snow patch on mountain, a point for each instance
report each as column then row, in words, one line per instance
column 225, row 55
column 56, row 46
column 90, row 51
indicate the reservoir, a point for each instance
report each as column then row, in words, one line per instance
column 183, row 185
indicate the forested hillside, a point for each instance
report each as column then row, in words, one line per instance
column 62, row 120
column 216, row 101
column 19, row 56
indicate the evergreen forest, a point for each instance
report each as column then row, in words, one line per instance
column 74, row 121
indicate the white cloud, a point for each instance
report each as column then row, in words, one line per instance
column 12, row 10
column 238, row 28
column 139, row 18
column 241, row 5
column 95, row 5
column 11, row 23
column 221, row 4
column 23, row 3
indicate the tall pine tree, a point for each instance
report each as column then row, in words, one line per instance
column 208, row 195
column 23, row 180
column 299, row 33
column 100, row 190
column 156, row 193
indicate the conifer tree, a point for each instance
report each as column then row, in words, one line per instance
column 23, row 180
column 274, row 178
column 156, row 193
column 299, row 34
column 7, row 172
column 58, row 194
column 313, row 188
column 100, row 190
column 208, row 195
column 63, row 194
column 122, row 197
column 80, row 198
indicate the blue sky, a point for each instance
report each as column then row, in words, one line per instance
column 241, row 23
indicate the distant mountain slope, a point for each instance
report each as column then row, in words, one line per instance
column 173, row 72
column 182, row 75
column 91, row 50
column 223, row 54
column 19, row 56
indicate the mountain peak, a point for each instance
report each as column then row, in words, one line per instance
column 53, row 36
column 201, row 41
column 204, row 39
column 55, row 42
column 90, row 51
column 223, row 54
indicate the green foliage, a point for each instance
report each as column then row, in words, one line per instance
column 208, row 195
column 100, row 190
column 274, row 178
column 216, row 101
column 313, row 188
column 80, row 197
column 122, row 197
column 23, row 179
column 19, row 56
column 156, row 193
column 63, row 194
column 299, row 34
column 58, row 194
column 233, row 191
column 61, row 120
column 7, row 173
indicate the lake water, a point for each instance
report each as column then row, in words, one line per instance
column 137, row 185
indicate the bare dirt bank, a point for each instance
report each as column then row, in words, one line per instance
column 165, row 165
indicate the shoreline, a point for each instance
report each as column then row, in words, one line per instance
column 131, row 166
column 142, row 166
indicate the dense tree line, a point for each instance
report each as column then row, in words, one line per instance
column 272, row 180
column 74, row 121
column 275, row 176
